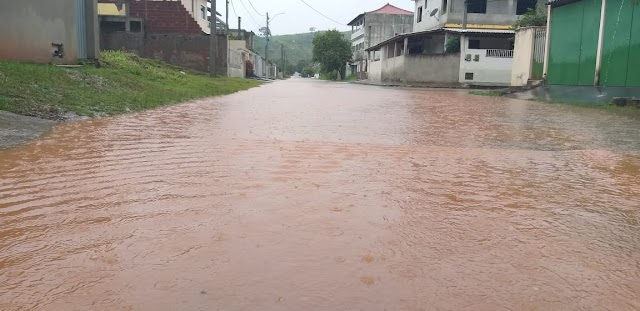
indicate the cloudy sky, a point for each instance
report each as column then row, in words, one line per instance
column 298, row 17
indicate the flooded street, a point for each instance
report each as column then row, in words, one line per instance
column 308, row 195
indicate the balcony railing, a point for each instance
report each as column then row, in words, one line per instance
column 500, row 53
column 357, row 34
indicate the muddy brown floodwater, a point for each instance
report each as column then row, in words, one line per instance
column 307, row 195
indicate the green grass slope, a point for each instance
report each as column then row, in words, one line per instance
column 124, row 83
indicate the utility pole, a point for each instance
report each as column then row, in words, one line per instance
column 240, row 27
column 266, row 48
column 282, row 52
column 213, row 42
column 463, row 37
column 226, row 35
column 464, row 16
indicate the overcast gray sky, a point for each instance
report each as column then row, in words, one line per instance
column 298, row 17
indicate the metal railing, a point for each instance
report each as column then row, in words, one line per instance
column 500, row 53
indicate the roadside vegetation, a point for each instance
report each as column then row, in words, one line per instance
column 331, row 51
column 533, row 17
column 124, row 83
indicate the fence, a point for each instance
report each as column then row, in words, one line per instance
column 500, row 53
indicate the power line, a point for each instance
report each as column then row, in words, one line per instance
column 327, row 17
column 234, row 9
column 250, row 15
column 254, row 8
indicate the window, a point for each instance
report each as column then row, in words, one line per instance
column 474, row 44
column 445, row 5
column 477, row 6
column 525, row 5
column 468, row 75
column 419, row 14
column 203, row 12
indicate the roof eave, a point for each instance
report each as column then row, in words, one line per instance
column 351, row 23
column 557, row 3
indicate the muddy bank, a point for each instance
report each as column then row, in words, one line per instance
column 16, row 129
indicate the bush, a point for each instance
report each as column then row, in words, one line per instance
column 533, row 17
column 452, row 45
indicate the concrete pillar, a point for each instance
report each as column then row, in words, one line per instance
column 547, row 43
column 93, row 29
column 406, row 46
column 603, row 16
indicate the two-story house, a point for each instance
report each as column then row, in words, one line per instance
column 371, row 28
column 441, row 51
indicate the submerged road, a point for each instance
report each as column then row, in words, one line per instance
column 309, row 195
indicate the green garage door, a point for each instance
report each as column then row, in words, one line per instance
column 617, row 36
column 574, row 43
column 633, row 68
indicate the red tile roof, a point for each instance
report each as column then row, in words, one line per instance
column 386, row 9
column 390, row 9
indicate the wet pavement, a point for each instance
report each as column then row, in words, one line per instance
column 307, row 195
column 16, row 129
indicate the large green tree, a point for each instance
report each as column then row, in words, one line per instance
column 332, row 51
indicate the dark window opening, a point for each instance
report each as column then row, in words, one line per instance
column 477, row 6
column 468, row 76
column 136, row 26
column 525, row 5
column 474, row 44
column 419, row 14
column 445, row 4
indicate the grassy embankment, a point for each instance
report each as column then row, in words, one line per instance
column 124, row 83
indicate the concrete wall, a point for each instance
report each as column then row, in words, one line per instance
column 522, row 56
column 435, row 68
column 439, row 69
column 184, row 50
column 375, row 71
column 501, row 12
column 30, row 27
column 238, row 53
column 492, row 71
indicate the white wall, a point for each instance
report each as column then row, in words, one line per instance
column 428, row 22
column 522, row 57
column 486, row 71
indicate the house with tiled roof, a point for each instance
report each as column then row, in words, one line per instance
column 373, row 27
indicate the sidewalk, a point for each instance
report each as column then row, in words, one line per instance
column 16, row 129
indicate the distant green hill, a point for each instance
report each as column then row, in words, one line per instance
column 298, row 48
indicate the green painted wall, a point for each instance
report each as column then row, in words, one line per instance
column 574, row 39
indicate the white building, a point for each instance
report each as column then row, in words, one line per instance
column 440, row 52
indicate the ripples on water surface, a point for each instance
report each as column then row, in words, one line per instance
column 304, row 195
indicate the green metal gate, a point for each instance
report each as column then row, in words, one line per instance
column 574, row 43
column 81, row 29
column 621, row 45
